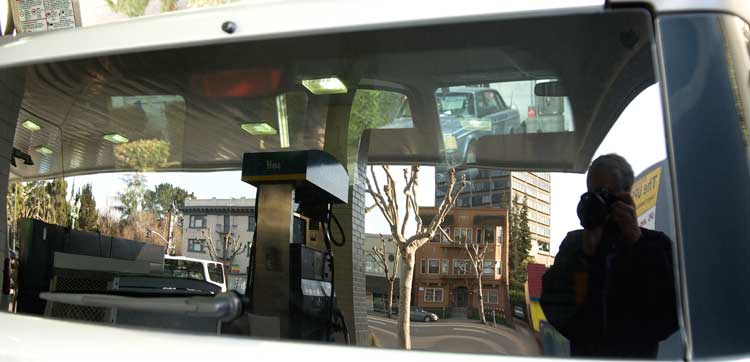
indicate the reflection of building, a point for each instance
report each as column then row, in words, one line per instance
column 497, row 188
column 222, row 217
column 376, row 283
column 445, row 282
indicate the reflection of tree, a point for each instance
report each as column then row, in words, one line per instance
column 41, row 200
column 231, row 248
column 381, row 256
column 135, row 8
column 386, row 200
column 371, row 109
column 142, row 155
column 161, row 198
column 131, row 8
column 87, row 214
column 520, row 239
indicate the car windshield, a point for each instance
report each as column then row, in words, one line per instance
column 455, row 104
column 445, row 155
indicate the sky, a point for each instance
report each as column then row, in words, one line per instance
column 637, row 135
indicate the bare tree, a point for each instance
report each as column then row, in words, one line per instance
column 380, row 254
column 476, row 252
column 231, row 248
column 386, row 201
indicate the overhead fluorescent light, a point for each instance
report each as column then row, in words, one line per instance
column 258, row 129
column 330, row 85
column 115, row 138
column 43, row 150
column 283, row 122
column 31, row 126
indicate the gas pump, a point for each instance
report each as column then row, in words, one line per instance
column 291, row 289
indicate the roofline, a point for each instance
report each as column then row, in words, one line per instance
column 259, row 20
column 739, row 8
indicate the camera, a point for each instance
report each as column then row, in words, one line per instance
column 594, row 207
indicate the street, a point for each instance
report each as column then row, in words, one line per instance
column 458, row 335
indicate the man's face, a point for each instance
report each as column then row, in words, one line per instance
column 599, row 178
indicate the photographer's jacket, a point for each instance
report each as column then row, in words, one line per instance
column 619, row 302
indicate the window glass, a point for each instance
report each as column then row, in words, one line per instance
column 488, row 267
column 434, row 267
column 147, row 157
column 216, row 272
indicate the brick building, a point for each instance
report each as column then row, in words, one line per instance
column 444, row 281
column 498, row 188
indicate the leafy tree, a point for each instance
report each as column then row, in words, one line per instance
column 135, row 8
column 520, row 239
column 132, row 199
column 41, row 200
column 371, row 109
column 87, row 214
column 160, row 199
column 142, row 155
column 131, row 8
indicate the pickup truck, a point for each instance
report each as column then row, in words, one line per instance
column 467, row 114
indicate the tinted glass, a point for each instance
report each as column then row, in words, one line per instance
column 150, row 146
column 216, row 272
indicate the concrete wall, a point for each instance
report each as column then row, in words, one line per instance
column 11, row 92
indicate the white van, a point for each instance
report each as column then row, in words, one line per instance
column 197, row 269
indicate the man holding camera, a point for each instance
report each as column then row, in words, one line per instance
column 611, row 291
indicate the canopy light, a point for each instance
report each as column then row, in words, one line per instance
column 31, row 126
column 259, row 129
column 43, row 150
column 115, row 138
column 331, row 85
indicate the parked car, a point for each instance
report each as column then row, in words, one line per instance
column 467, row 114
column 419, row 314
column 518, row 312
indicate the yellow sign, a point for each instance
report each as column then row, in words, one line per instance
column 646, row 191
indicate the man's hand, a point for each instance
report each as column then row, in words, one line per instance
column 591, row 239
column 623, row 214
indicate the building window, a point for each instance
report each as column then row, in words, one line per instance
column 433, row 295
column 434, row 267
column 372, row 266
column 443, row 237
column 196, row 245
column 251, row 222
column 460, row 266
column 225, row 226
column 197, row 221
column 490, row 297
column 485, row 235
column 462, row 235
column 488, row 267
column 444, row 266
column 543, row 246
column 423, row 266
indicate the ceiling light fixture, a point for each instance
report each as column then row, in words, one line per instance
column 115, row 138
column 31, row 126
column 320, row 86
column 258, row 129
column 43, row 150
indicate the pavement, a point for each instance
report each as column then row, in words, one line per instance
column 459, row 335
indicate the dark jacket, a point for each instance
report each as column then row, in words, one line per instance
column 618, row 303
